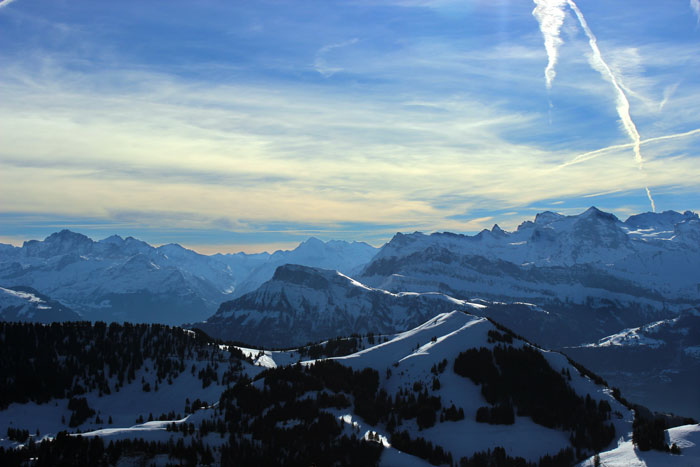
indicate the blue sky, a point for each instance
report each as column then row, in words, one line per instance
column 230, row 126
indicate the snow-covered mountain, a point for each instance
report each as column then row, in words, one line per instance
column 337, row 255
column 118, row 279
column 657, row 364
column 650, row 256
column 26, row 304
column 301, row 304
column 619, row 274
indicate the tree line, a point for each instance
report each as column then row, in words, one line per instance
column 64, row 360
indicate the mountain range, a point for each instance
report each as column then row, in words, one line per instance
column 125, row 279
column 560, row 281
column 591, row 270
column 590, row 285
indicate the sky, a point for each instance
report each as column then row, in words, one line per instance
column 249, row 126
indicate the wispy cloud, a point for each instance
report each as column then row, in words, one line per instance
column 320, row 63
column 426, row 130
column 248, row 154
column 668, row 92
column 695, row 5
column 4, row 3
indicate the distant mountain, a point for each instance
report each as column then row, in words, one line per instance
column 592, row 267
column 26, row 304
column 336, row 255
column 657, row 364
column 125, row 279
column 301, row 304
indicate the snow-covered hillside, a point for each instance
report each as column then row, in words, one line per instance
column 412, row 394
column 26, row 304
column 302, row 304
column 412, row 357
column 119, row 279
column 686, row 437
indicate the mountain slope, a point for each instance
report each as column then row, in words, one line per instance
column 302, row 304
column 657, row 364
column 26, row 304
column 415, row 356
column 686, row 437
column 419, row 393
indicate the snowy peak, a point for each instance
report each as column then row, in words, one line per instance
column 318, row 248
column 67, row 237
column 598, row 228
column 563, row 223
column 58, row 243
column 547, row 217
column 595, row 213
column 113, row 240
column 175, row 251
column 666, row 226
column 595, row 242
column 659, row 220
column 498, row 231
column 336, row 255
column 312, row 243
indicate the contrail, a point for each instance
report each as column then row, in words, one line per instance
column 550, row 14
column 695, row 5
column 623, row 105
column 599, row 152
column 4, row 3
column 651, row 199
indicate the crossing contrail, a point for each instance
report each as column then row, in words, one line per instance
column 550, row 14
column 599, row 152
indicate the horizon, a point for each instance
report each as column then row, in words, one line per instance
column 251, row 127
column 213, row 249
